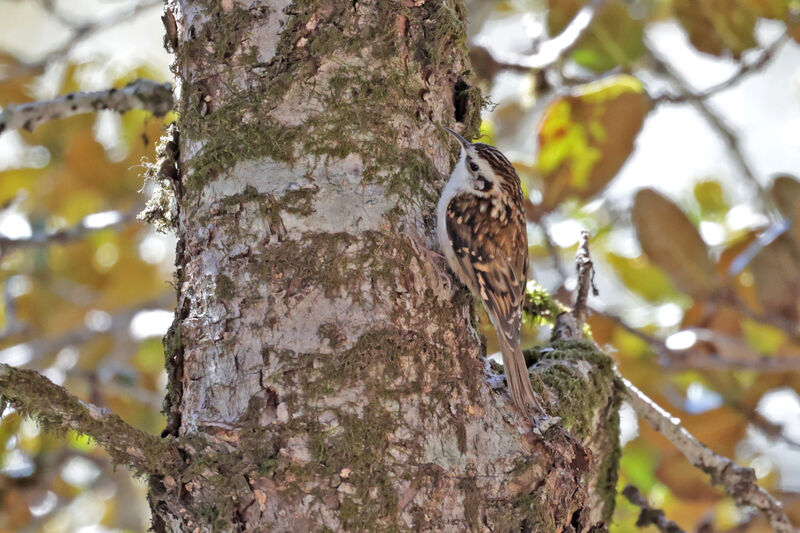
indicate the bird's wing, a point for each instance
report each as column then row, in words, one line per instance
column 492, row 258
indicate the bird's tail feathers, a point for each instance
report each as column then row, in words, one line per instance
column 519, row 381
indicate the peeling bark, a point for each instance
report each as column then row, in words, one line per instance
column 324, row 369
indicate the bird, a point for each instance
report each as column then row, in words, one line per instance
column 482, row 233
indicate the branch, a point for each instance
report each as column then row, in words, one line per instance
column 139, row 94
column 716, row 122
column 649, row 515
column 40, row 347
column 56, row 410
column 67, row 235
column 553, row 50
column 81, row 32
column 585, row 269
column 739, row 482
column 744, row 69
column 715, row 361
column 569, row 326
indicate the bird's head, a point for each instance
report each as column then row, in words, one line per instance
column 486, row 168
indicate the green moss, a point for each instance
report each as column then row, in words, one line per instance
column 362, row 447
column 323, row 260
column 472, row 501
column 356, row 104
column 527, row 513
column 577, row 398
column 225, row 289
column 539, row 306
column 57, row 411
column 608, row 470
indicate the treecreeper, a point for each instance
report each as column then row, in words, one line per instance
column 481, row 230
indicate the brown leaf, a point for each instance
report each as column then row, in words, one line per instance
column 776, row 270
column 672, row 242
column 786, row 192
column 717, row 26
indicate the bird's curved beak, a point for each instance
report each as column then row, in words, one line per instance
column 465, row 143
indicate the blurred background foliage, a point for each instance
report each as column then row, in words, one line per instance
column 668, row 129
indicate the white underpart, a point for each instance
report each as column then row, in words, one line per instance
column 460, row 181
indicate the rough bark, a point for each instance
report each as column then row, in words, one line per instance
column 324, row 370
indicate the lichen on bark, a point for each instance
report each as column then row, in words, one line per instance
column 325, row 372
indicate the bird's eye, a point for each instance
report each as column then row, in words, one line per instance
column 473, row 166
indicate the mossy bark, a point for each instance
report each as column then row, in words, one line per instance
column 324, row 369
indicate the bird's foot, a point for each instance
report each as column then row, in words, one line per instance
column 542, row 422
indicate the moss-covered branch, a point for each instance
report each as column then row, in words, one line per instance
column 139, row 94
column 56, row 410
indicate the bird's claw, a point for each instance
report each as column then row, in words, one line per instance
column 543, row 422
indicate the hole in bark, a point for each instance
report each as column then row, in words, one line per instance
column 575, row 522
column 460, row 99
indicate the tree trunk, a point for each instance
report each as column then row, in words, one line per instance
column 324, row 370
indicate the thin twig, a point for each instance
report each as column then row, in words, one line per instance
column 649, row 516
column 552, row 249
column 552, row 51
column 739, row 483
column 55, row 409
column 139, row 94
column 67, row 235
column 38, row 348
column 773, row 431
column 569, row 326
column 694, row 359
column 80, row 33
column 744, row 69
column 718, row 123
column 585, row 269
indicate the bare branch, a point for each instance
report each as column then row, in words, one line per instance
column 64, row 236
column 739, row 482
column 718, row 123
column 552, row 249
column 585, row 268
column 744, row 69
column 139, row 94
column 56, row 410
column 551, row 52
column 80, row 33
column 773, row 431
column 569, row 326
column 694, row 359
column 38, row 348
column 650, row 516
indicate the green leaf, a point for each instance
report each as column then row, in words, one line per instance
column 615, row 39
column 711, row 198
